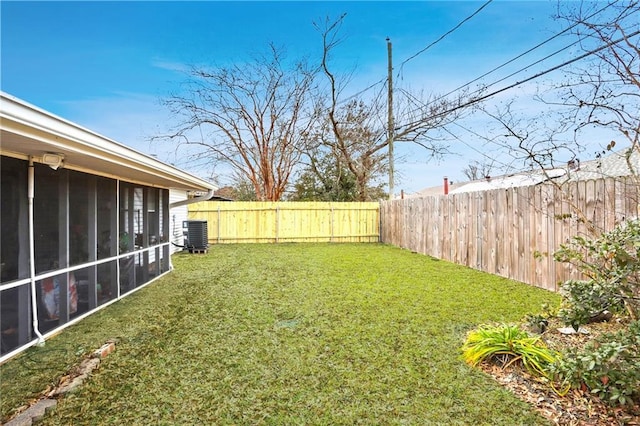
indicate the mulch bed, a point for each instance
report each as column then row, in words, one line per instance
column 578, row 407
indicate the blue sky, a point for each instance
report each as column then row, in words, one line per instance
column 106, row 65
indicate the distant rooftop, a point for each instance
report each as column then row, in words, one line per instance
column 613, row 165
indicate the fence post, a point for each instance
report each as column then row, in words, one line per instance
column 219, row 220
column 332, row 220
column 277, row 223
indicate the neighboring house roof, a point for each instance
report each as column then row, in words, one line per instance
column 529, row 178
column 612, row 165
column 26, row 130
column 219, row 198
column 226, row 193
column 507, row 181
column 426, row 192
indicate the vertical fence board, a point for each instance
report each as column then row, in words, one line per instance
column 463, row 223
column 484, row 248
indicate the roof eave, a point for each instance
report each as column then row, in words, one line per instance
column 48, row 132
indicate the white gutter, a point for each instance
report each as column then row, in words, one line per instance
column 193, row 200
column 32, row 257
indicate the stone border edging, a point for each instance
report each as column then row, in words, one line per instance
column 40, row 408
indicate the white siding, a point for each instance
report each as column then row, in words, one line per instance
column 176, row 216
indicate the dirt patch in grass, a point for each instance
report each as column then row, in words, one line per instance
column 578, row 407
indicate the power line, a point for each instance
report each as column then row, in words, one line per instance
column 538, row 75
column 445, row 34
column 483, row 154
column 513, row 73
column 542, row 43
column 491, row 71
column 462, row 141
column 418, row 53
column 362, row 91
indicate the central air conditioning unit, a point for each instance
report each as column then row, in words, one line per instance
column 196, row 235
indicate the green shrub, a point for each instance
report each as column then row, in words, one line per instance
column 539, row 322
column 608, row 366
column 585, row 301
column 611, row 265
column 507, row 344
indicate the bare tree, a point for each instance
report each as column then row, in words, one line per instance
column 601, row 91
column 478, row 170
column 605, row 91
column 355, row 149
column 537, row 143
column 356, row 132
column 255, row 117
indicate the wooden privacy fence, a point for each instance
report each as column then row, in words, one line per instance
column 512, row 232
column 269, row 222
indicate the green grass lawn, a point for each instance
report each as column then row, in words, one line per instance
column 288, row 334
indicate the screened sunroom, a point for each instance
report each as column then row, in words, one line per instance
column 84, row 222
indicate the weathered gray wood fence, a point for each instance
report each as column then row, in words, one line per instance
column 512, row 232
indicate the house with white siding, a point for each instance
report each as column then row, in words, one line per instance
column 84, row 221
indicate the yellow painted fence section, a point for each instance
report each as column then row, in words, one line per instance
column 279, row 222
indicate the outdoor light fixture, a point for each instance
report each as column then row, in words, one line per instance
column 53, row 160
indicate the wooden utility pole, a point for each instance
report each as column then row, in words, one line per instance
column 390, row 117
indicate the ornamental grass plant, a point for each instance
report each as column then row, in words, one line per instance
column 508, row 344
